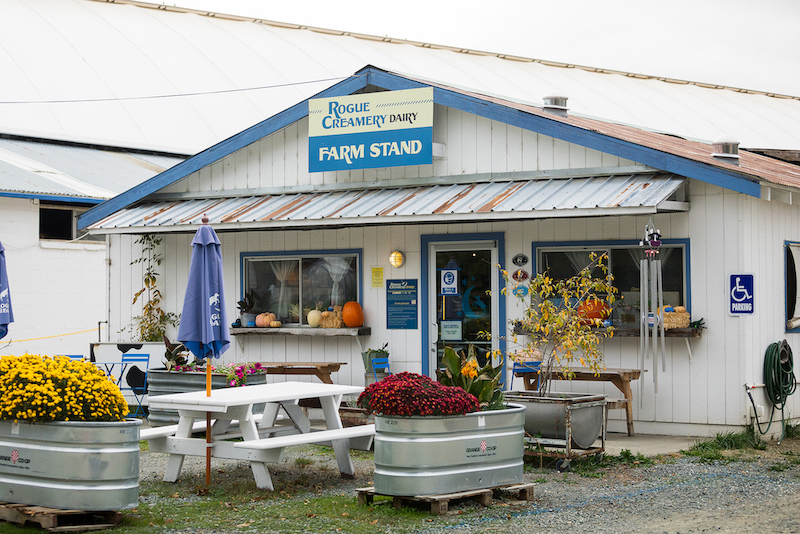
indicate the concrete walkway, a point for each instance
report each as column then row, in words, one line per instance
column 646, row 445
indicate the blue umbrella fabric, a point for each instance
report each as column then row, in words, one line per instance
column 6, row 314
column 203, row 328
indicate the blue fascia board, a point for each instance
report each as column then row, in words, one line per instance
column 52, row 198
column 217, row 152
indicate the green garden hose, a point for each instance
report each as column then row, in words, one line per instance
column 779, row 381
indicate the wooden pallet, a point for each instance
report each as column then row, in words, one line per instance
column 440, row 503
column 55, row 520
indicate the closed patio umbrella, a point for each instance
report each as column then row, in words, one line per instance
column 203, row 327
column 6, row 314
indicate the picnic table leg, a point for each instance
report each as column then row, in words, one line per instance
column 249, row 433
column 175, row 462
column 297, row 416
column 629, row 405
column 330, row 407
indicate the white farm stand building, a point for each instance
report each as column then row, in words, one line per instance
column 505, row 179
column 162, row 81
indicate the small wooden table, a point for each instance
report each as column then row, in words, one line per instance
column 621, row 378
column 321, row 370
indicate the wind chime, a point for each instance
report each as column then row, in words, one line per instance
column 652, row 305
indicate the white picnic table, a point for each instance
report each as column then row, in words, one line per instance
column 262, row 441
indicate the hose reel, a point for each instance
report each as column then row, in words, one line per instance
column 779, row 381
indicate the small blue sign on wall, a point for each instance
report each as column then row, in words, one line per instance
column 741, row 294
column 401, row 304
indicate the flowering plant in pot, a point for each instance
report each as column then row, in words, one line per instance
column 434, row 438
column 65, row 441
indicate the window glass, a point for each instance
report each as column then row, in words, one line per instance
column 290, row 287
column 623, row 263
column 55, row 224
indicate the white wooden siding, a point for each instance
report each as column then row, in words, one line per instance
column 474, row 145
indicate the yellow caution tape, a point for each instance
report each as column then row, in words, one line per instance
column 51, row 337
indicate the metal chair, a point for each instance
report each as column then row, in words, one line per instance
column 136, row 383
column 524, row 367
column 381, row 364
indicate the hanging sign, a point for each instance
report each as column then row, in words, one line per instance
column 371, row 130
column 449, row 282
column 741, row 294
column 401, row 304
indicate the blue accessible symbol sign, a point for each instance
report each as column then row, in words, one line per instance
column 741, row 301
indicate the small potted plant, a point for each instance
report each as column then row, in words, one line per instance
column 426, row 432
column 368, row 354
column 246, row 305
column 64, row 425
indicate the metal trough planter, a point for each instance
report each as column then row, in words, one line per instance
column 78, row 465
column 446, row 454
column 163, row 382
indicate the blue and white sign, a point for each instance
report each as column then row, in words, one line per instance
column 385, row 129
column 741, row 294
column 449, row 282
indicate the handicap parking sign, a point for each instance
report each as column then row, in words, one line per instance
column 741, row 294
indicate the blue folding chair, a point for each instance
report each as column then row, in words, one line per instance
column 136, row 379
column 524, row 367
column 381, row 364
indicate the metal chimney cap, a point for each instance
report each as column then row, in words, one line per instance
column 725, row 147
column 555, row 101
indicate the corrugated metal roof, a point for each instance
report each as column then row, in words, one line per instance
column 491, row 200
column 37, row 169
column 197, row 74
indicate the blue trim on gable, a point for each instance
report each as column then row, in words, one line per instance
column 369, row 75
column 625, row 243
column 217, row 152
column 425, row 241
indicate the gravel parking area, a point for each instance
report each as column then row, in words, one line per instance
column 756, row 491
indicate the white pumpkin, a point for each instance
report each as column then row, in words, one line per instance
column 313, row 318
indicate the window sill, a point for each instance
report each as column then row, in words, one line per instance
column 635, row 332
column 302, row 331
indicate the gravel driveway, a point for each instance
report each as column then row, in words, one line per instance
column 759, row 492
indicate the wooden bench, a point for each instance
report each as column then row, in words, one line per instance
column 315, row 436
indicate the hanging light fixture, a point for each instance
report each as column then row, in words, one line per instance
column 397, row 258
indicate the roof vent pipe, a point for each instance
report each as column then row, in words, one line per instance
column 556, row 103
column 726, row 148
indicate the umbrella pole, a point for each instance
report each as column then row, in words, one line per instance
column 208, row 425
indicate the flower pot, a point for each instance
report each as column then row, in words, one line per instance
column 446, row 454
column 367, row 356
column 79, row 465
column 163, row 382
column 554, row 415
column 248, row 320
column 369, row 378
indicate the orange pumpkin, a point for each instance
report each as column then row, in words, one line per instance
column 352, row 314
column 593, row 309
column 263, row 319
column 274, row 324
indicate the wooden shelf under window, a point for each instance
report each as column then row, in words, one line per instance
column 301, row 331
column 634, row 332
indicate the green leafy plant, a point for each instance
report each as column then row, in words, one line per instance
column 558, row 329
column 247, row 303
column 464, row 371
column 176, row 354
column 152, row 324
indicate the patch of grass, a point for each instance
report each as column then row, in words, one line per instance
column 711, row 450
column 783, row 466
column 303, row 462
column 791, row 431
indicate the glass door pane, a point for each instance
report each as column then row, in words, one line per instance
column 463, row 301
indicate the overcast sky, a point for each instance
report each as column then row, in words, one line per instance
column 752, row 44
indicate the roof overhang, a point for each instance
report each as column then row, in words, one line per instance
column 622, row 193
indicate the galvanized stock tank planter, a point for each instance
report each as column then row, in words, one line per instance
column 429, row 455
column 163, row 382
column 79, row 465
